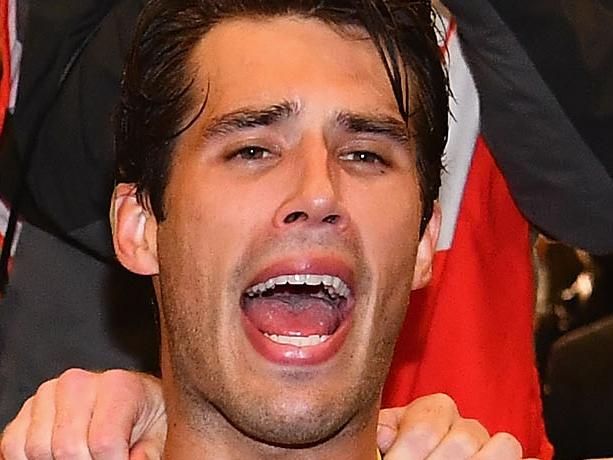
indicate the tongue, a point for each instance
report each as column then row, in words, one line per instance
column 293, row 315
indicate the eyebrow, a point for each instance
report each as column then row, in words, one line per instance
column 383, row 125
column 248, row 118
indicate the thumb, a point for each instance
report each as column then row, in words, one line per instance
column 387, row 428
column 150, row 417
column 147, row 450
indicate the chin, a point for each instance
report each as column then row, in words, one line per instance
column 291, row 430
column 303, row 421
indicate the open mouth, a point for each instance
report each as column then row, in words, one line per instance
column 298, row 318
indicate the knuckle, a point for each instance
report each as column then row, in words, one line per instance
column 437, row 402
column 422, row 436
column 45, row 389
column 506, row 438
column 67, row 450
column 115, row 375
column 441, row 402
column 442, row 399
column 9, row 445
column 508, row 442
column 127, row 389
column 447, row 402
column 475, row 428
column 465, row 441
column 120, row 379
column 102, row 445
column 75, row 376
column 445, row 399
column 75, row 382
column 74, row 372
column 37, row 451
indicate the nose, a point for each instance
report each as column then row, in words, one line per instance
column 314, row 199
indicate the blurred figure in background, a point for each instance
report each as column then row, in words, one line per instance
column 68, row 303
column 575, row 348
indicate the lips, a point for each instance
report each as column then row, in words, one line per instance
column 299, row 312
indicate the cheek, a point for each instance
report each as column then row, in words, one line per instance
column 217, row 222
column 388, row 223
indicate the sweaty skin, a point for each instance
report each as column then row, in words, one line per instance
column 326, row 183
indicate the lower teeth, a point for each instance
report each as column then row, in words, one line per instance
column 298, row 341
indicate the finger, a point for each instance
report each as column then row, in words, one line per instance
column 151, row 423
column 464, row 440
column 149, row 434
column 75, row 396
column 130, row 411
column 422, row 426
column 147, row 450
column 13, row 440
column 502, row 446
column 38, row 438
column 387, row 427
column 118, row 408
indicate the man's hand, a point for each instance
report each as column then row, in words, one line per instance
column 82, row 415
column 431, row 428
column 120, row 415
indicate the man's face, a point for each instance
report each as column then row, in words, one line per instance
column 288, row 252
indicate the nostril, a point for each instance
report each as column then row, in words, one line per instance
column 295, row 216
column 331, row 219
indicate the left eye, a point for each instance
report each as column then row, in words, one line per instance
column 253, row 153
column 363, row 156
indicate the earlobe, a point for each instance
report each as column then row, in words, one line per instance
column 134, row 232
column 426, row 250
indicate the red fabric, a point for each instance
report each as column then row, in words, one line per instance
column 469, row 333
column 5, row 84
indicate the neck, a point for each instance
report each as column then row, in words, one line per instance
column 182, row 445
column 208, row 435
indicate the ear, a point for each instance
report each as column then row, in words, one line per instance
column 426, row 250
column 134, row 231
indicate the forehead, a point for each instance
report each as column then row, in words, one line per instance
column 253, row 62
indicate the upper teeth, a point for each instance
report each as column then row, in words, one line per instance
column 335, row 286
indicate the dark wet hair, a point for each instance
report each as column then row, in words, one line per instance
column 157, row 106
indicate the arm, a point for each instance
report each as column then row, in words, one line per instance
column 543, row 75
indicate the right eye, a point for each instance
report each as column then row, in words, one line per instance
column 252, row 153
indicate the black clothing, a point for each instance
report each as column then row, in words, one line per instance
column 68, row 303
column 578, row 400
column 69, row 85
column 544, row 72
column 66, row 309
